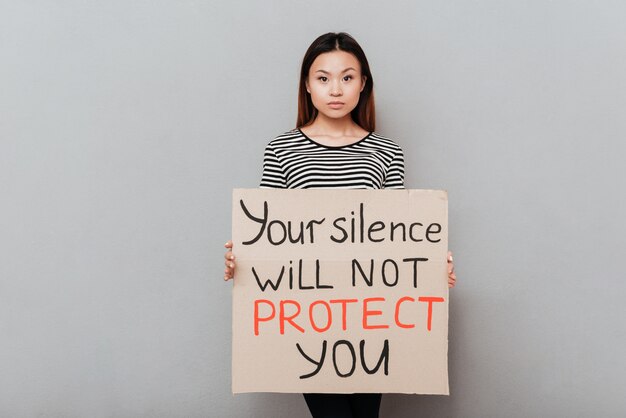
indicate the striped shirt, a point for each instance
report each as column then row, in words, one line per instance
column 292, row 160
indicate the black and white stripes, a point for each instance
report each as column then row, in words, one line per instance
column 294, row 161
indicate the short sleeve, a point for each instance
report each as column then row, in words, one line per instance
column 395, row 174
column 273, row 175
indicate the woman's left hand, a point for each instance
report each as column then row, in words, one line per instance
column 451, row 275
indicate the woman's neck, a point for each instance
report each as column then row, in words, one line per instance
column 334, row 129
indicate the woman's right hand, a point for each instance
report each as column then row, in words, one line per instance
column 229, row 272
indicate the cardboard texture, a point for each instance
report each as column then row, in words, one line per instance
column 340, row 291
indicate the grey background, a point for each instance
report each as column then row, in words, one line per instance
column 125, row 125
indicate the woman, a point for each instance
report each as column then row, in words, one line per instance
column 334, row 145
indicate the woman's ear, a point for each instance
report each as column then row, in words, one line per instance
column 306, row 83
column 363, row 79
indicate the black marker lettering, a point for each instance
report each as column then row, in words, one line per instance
column 268, row 281
column 415, row 261
column 369, row 282
column 352, row 353
column 262, row 221
column 384, row 272
column 411, row 232
column 345, row 233
column 384, row 356
column 317, row 363
column 310, row 226
column 376, row 226
column 428, row 232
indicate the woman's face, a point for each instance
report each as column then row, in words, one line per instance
column 335, row 82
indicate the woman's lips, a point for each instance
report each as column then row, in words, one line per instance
column 335, row 105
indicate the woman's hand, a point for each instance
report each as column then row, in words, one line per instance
column 229, row 272
column 451, row 275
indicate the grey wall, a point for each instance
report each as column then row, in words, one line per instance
column 125, row 124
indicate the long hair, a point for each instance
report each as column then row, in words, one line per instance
column 364, row 113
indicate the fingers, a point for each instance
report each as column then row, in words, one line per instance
column 451, row 275
column 451, row 280
column 229, row 262
column 229, row 271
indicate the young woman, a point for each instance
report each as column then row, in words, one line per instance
column 334, row 145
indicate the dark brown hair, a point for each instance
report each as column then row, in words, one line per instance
column 363, row 114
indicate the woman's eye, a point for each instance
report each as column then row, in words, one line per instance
column 348, row 77
column 322, row 78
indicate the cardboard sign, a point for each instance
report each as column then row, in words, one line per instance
column 340, row 291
